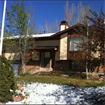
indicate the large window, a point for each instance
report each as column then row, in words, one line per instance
column 73, row 43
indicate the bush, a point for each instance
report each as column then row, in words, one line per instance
column 11, row 61
column 7, row 80
column 24, row 74
column 83, row 76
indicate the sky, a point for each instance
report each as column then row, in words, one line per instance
column 50, row 10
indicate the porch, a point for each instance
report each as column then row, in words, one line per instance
column 43, row 60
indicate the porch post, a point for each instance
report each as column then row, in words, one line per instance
column 51, row 63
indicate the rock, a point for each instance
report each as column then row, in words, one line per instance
column 25, row 93
column 20, row 87
column 17, row 99
column 63, row 75
column 101, row 79
column 1, row 103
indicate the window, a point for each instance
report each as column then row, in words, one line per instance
column 75, row 66
column 73, row 43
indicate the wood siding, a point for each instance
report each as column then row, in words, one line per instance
column 71, row 54
column 45, row 43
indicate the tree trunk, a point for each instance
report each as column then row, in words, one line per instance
column 87, row 73
column 23, row 64
column 22, row 60
column 24, row 56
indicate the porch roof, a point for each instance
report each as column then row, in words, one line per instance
column 45, row 48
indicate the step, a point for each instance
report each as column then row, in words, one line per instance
column 43, row 70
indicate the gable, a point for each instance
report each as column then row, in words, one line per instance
column 70, row 29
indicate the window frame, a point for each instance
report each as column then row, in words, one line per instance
column 72, row 47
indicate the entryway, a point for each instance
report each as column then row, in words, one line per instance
column 46, row 59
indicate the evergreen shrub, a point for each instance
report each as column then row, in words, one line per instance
column 7, row 80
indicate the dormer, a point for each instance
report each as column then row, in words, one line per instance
column 64, row 25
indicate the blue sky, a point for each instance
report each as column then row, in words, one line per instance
column 50, row 10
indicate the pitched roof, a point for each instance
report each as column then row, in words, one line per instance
column 61, row 32
column 43, row 35
column 35, row 35
column 48, row 34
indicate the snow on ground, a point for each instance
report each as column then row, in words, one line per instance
column 40, row 93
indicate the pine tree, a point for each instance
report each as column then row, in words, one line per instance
column 7, row 80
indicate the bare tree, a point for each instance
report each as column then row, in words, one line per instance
column 75, row 14
column 32, row 28
column 56, row 25
column 48, row 27
column 40, row 30
column 32, row 23
column 69, row 13
column 91, row 48
column 82, row 12
column 52, row 27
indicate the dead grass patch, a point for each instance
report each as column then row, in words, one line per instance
column 61, row 81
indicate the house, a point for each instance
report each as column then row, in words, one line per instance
column 51, row 51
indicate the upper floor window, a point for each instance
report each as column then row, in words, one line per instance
column 74, row 42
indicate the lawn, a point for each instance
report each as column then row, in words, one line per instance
column 54, row 78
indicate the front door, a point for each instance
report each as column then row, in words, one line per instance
column 46, row 59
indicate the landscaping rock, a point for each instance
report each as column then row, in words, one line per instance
column 64, row 75
column 25, row 93
column 17, row 99
column 101, row 79
column 20, row 87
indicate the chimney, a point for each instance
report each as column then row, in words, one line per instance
column 64, row 25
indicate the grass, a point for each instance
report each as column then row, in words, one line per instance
column 24, row 74
column 60, row 80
